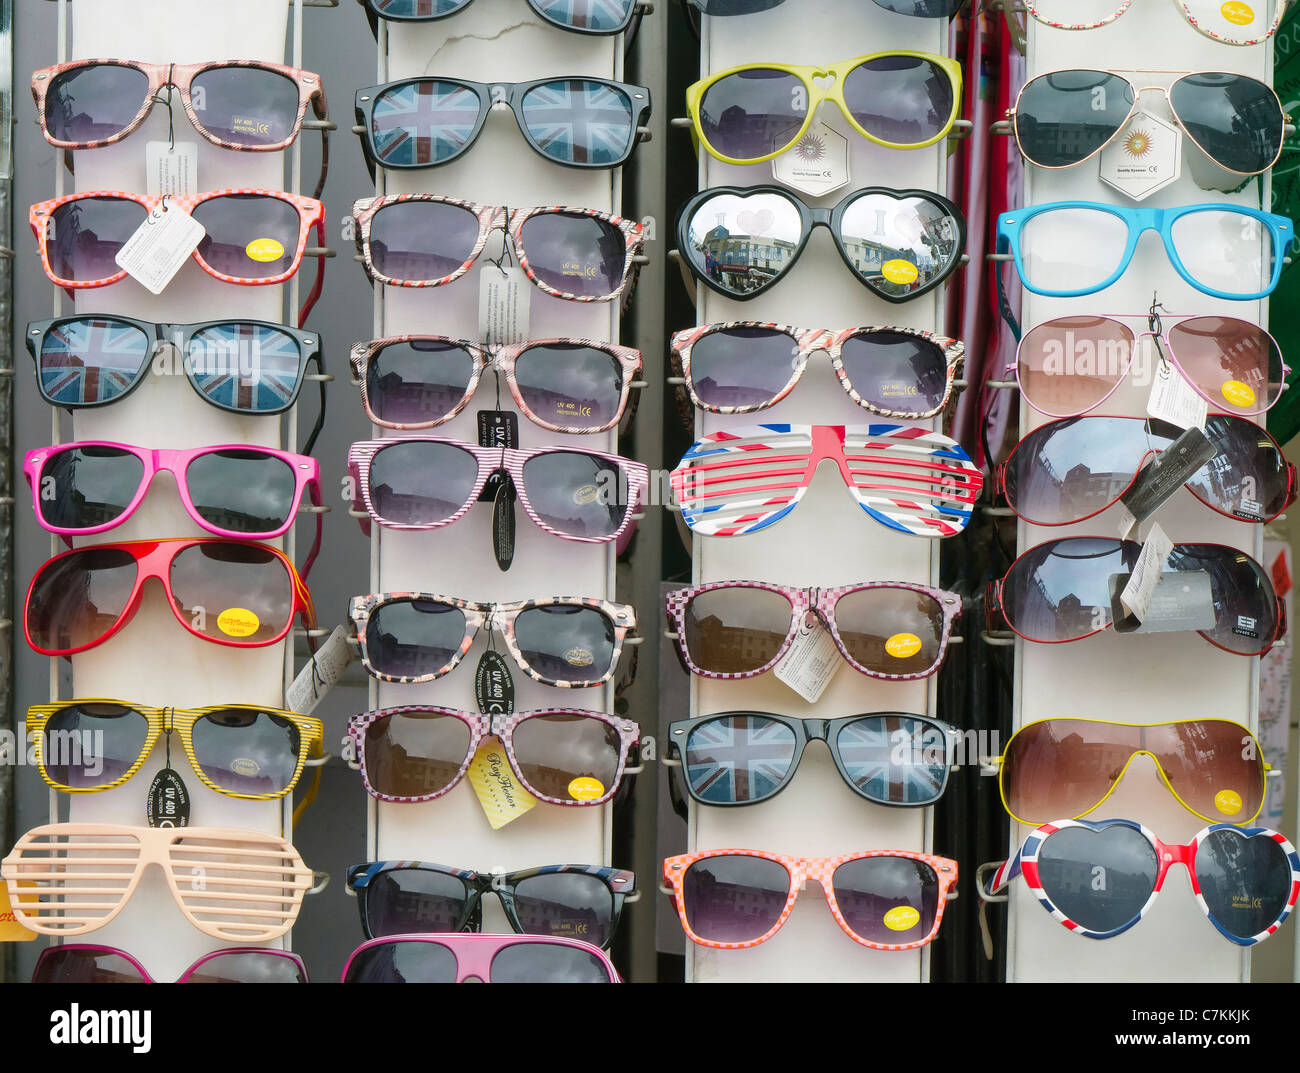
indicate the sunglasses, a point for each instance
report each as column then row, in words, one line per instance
column 426, row 483
column 81, row 963
column 1070, row 365
column 596, row 17
column 898, row 99
column 732, row 483
column 1225, row 251
column 744, row 366
column 493, row 959
column 739, row 629
column 232, row 593
column 561, row 385
column 1248, row 479
column 239, row 750
column 578, row 122
column 731, row 899
column 899, row 244
column 232, row 491
column 921, row 9
column 1245, row 878
column 427, row 240
column 1062, row 591
column 568, row 642
column 576, row 901
column 564, row 756
column 742, row 758
column 237, row 886
column 1056, row 767
column 1229, row 23
column 1067, row 117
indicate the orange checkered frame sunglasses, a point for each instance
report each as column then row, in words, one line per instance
column 732, row 899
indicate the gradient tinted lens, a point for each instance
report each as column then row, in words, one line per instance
column 894, row 759
column 414, row 638
column 738, row 759
column 90, row 745
column 575, row 254
column 88, row 360
column 1065, row 117
column 249, row 368
column 421, row 123
column 890, row 631
column 1245, row 608
column 421, row 483
column 248, row 967
column 1236, row 120
column 1226, row 251
column 570, row 905
column 896, row 371
column 576, row 494
column 415, row 754
column 1236, row 363
column 742, row 367
column 249, row 236
column 422, row 241
column 85, row 487
column 890, row 900
column 1064, row 767
column 232, row 592
column 743, row 244
column 1060, row 591
column 1099, row 879
column 403, row 963
column 1069, row 365
column 85, row 236
column 403, row 900
column 72, row 965
column 547, row 963
column 567, row 757
column 95, row 103
column 247, row 751
column 418, row 381
column 75, row 600
column 736, row 630
column 753, row 114
column 593, row 16
column 245, row 106
column 1069, row 250
column 242, row 491
column 565, row 643
column 1249, row 476
column 1246, row 881
column 903, row 100
column 580, row 121
column 1216, row 766
column 570, row 385
column 898, row 246
column 734, row 898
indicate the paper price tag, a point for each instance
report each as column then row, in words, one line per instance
column 502, row 798
column 811, row 661
column 502, row 304
column 10, row 930
column 1174, row 400
column 1136, row 597
column 160, row 245
column 319, row 676
column 1146, row 156
column 171, row 169
column 816, row 164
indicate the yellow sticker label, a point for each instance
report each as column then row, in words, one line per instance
column 899, row 271
column 586, row 494
column 10, row 930
column 264, row 249
column 238, row 622
column 1228, row 802
column 585, row 788
column 1237, row 13
column 245, row 766
column 902, row 917
column 1238, row 393
column 496, row 787
column 578, row 657
column 902, row 645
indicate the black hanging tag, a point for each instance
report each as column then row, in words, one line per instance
column 168, row 803
column 494, row 689
column 503, row 524
column 498, row 428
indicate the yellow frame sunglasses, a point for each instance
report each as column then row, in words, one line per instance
column 816, row 94
column 311, row 736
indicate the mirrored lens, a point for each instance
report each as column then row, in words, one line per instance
column 891, row 900
column 414, row 638
column 407, row 962
column 1236, row 363
column 738, row 759
column 1246, row 881
column 894, row 759
column 745, row 367
column 898, row 246
column 571, row 905
column 403, row 900
column 547, row 963
column 418, row 381
column 249, row 368
column 246, row 106
column 248, row 967
column 415, row 754
column 579, row 121
column 576, row 494
column 1099, row 879
column 94, row 103
column 734, row 898
column 566, row 643
column 591, row 16
column 902, row 100
column 753, row 114
column 567, row 757
column 249, row 236
column 89, row 360
column 890, row 631
column 1235, row 120
column 569, row 385
column 78, row 965
column 84, row 237
column 1072, row 249
column 1069, row 365
column 235, row 592
column 743, row 244
column 77, row 599
column 1060, row 591
column 247, row 751
column 88, row 486
column 242, row 491
column 896, row 371
column 91, row 745
column 1225, row 251
column 1064, row 117
column 426, row 122
column 422, row 241
column 418, row 482
column 736, row 630
column 574, row 254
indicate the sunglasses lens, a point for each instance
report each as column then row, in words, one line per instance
column 247, row 492
column 895, row 371
column 1245, row 609
column 1070, row 250
column 1236, row 363
column 420, row 381
column 69, row 965
column 90, row 360
column 567, row 757
column 414, row 638
column 1238, row 257
column 723, row 8
column 547, row 963
column 422, row 241
column 894, row 760
column 890, row 900
column 924, row 9
column 1099, row 879
column 246, row 751
column 743, row 244
column 416, row 9
column 753, row 114
column 248, row 967
column 1249, row 477
column 86, row 235
column 899, row 246
column 575, row 254
column 232, row 592
column 77, row 599
column 593, row 16
column 1246, row 880
column 423, row 123
column 738, row 759
column 1065, row 117
column 736, row 630
column 578, row 121
column 249, row 368
column 249, row 236
column 1068, row 366
column 577, row 495
column 1235, row 22
column 86, row 487
column 415, row 754
column 1236, row 120
column 734, row 898
column 408, row 962
column 93, row 104
column 1060, row 591
column 86, row 746
column 404, row 900
column 421, row 482
column 890, row 631
column 571, row 905
column 566, row 644
column 1064, row 767
column 903, row 100
column 1216, row 767
column 571, row 386
column 245, row 106
column 742, row 367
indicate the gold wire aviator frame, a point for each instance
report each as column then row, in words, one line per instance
column 1166, row 91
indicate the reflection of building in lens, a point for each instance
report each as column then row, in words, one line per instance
column 933, row 246
column 741, row 263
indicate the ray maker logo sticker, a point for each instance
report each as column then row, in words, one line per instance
column 1138, row 144
column 810, row 149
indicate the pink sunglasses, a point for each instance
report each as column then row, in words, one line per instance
column 85, row 963
column 471, row 956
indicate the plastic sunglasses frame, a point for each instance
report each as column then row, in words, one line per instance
column 1025, row 863
column 809, row 220
column 820, row 870
column 498, row 218
column 1000, row 471
column 153, row 559
column 879, row 3
column 1138, row 221
column 634, row 13
column 498, row 358
column 1137, row 751
column 619, row 882
column 474, row 951
column 481, row 727
column 817, row 95
column 90, row 948
column 818, row 601
column 311, row 735
column 806, row 730
column 1123, row 5
column 807, row 341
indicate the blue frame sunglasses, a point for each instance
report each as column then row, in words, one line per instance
column 1206, row 244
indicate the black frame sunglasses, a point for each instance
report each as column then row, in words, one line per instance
column 375, row 10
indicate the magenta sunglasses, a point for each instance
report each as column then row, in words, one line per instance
column 470, row 956
column 234, row 490
column 85, row 963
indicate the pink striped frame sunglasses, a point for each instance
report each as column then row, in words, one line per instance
column 480, row 958
column 72, row 484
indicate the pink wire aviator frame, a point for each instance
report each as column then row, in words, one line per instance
column 475, row 957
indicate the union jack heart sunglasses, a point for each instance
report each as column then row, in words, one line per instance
column 471, row 957
column 593, row 17
column 1099, row 879
column 908, row 479
column 84, row 963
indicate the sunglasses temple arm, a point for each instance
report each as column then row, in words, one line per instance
column 310, row 561
column 324, row 125
column 320, row 417
column 309, row 796
column 991, row 881
column 319, row 285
